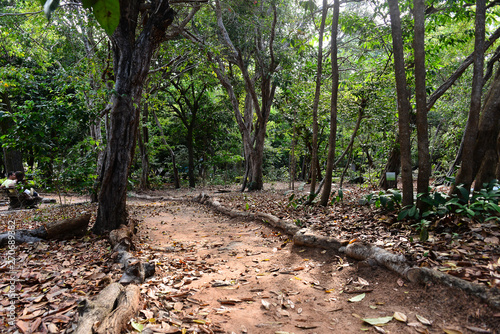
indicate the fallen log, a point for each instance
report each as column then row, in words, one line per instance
column 134, row 270
column 94, row 311
column 127, row 305
column 59, row 230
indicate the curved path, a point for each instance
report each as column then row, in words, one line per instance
column 239, row 276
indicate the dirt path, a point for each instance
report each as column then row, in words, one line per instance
column 238, row 276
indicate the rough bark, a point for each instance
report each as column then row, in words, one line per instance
column 59, row 230
column 129, row 304
column 132, row 53
column 424, row 165
column 319, row 74
column 393, row 165
column 485, row 153
column 466, row 173
column 134, row 270
column 403, row 103
column 327, row 188
column 94, row 311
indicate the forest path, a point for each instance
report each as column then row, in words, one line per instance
column 239, row 276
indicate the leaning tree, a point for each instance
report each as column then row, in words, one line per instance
column 136, row 28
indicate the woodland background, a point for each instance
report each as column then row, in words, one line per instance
column 247, row 92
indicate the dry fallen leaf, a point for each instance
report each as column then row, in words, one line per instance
column 400, row 316
column 423, row 320
column 377, row 321
column 357, row 298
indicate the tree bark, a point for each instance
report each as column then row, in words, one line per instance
column 466, row 173
column 58, row 230
column 486, row 150
column 327, row 187
column 319, row 74
column 12, row 158
column 424, row 166
column 403, row 103
column 132, row 57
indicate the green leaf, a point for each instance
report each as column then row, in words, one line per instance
column 377, row 321
column 107, row 13
column 424, row 234
column 137, row 326
column 87, row 4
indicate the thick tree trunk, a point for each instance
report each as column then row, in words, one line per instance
column 256, row 176
column 466, row 173
column 131, row 64
column 485, row 154
column 325, row 195
column 424, row 166
column 403, row 103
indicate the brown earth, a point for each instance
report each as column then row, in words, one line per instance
column 215, row 274
column 246, row 277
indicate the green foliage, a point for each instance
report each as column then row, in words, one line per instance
column 339, row 198
column 482, row 205
column 106, row 12
column 389, row 200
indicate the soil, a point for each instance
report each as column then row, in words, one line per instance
column 216, row 274
column 247, row 277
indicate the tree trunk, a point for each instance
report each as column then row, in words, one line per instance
column 424, row 166
column 319, row 74
column 393, row 165
column 177, row 184
column 143, row 148
column 467, row 170
column 403, row 103
column 96, row 134
column 190, row 156
column 325, row 196
column 485, row 153
column 131, row 65
column 12, row 158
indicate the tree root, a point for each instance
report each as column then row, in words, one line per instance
column 368, row 253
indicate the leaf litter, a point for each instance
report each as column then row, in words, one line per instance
column 59, row 274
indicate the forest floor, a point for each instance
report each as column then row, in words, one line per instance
column 220, row 274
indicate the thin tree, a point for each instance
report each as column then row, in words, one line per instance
column 327, row 188
column 403, row 102
column 424, row 167
column 319, row 73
